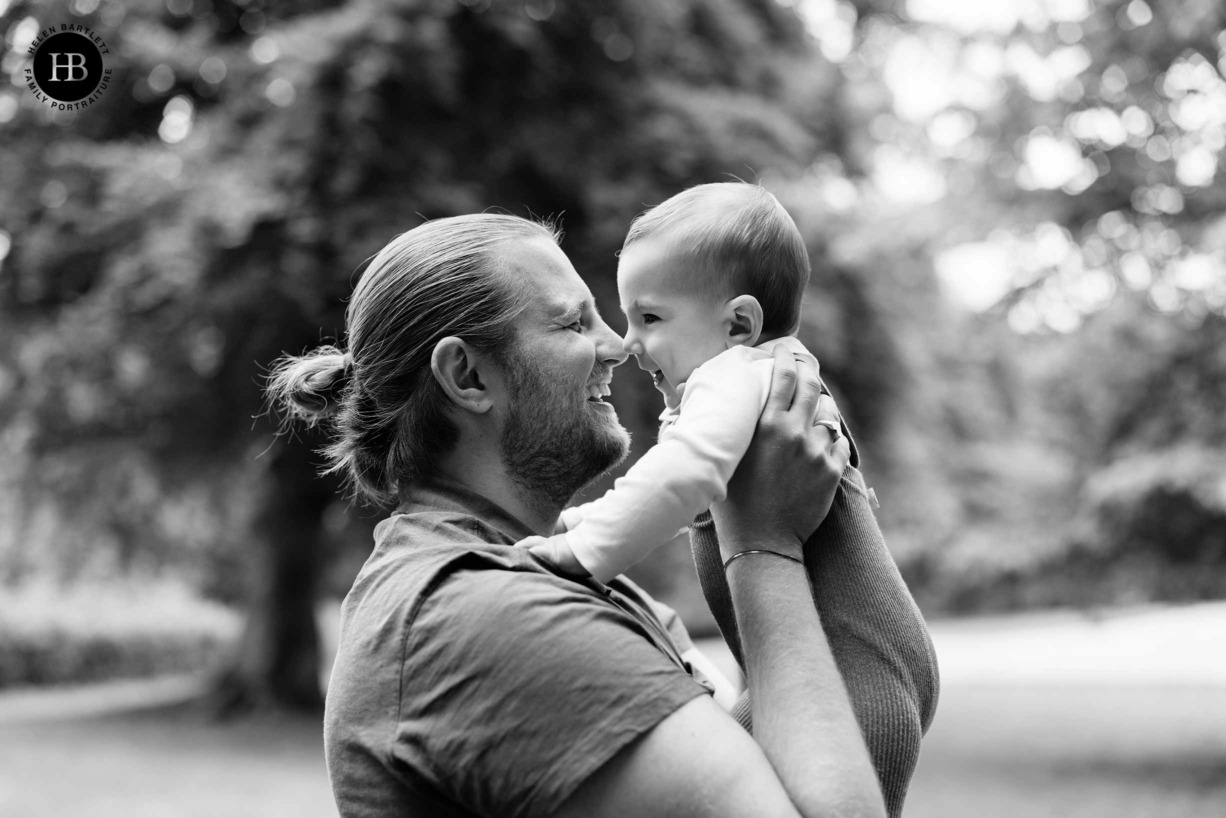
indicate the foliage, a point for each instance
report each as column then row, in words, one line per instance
column 1067, row 158
column 1170, row 505
column 236, row 233
column 225, row 192
column 1149, row 530
column 213, row 210
column 86, row 633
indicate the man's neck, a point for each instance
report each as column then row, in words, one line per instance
column 485, row 474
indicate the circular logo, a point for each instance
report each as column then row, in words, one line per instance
column 68, row 71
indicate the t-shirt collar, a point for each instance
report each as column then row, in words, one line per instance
column 436, row 494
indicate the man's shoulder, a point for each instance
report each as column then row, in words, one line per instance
column 433, row 575
column 416, row 553
column 470, row 674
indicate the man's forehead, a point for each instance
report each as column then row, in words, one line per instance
column 552, row 297
column 546, row 276
column 533, row 255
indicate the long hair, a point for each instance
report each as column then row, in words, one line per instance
column 440, row 279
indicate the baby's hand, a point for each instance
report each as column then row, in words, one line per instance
column 556, row 550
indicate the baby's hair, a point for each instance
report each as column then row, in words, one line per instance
column 744, row 240
column 443, row 278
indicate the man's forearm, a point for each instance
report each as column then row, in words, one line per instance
column 874, row 627
column 801, row 713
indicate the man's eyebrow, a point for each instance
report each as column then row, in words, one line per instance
column 566, row 310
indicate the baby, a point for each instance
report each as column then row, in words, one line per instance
column 711, row 281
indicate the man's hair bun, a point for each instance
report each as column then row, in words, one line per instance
column 311, row 386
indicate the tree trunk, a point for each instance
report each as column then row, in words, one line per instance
column 277, row 664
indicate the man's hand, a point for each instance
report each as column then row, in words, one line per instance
column 806, row 756
column 785, row 484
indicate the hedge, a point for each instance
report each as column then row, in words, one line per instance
column 56, row 635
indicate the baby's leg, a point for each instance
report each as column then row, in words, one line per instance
column 876, row 632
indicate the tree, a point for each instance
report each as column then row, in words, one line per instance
column 1077, row 147
column 214, row 208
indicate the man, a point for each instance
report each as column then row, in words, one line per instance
column 473, row 680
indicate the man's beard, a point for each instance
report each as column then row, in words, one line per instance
column 553, row 444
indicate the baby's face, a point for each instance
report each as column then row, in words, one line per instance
column 672, row 329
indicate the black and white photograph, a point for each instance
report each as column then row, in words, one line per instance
column 609, row 408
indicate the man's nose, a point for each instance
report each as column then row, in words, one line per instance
column 609, row 346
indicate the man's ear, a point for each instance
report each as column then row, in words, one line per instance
column 743, row 318
column 457, row 368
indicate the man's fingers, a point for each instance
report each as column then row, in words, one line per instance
column 808, row 360
column 826, row 411
column 840, row 453
column 808, row 386
column 828, row 428
column 783, row 381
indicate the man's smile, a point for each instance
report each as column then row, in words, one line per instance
column 596, row 392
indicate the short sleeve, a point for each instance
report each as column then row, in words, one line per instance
column 517, row 686
column 671, row 621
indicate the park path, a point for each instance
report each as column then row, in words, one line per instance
column 1145, row 646
column 1142, row 646
column 1114, row 714
column 1120, row 714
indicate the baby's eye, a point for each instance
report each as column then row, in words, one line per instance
column 649, row 318
column 576, row 326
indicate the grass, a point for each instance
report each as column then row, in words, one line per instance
column 1074, row 751
column 1081, row 750
column 164, row 763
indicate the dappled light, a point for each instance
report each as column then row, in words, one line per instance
column 1015, row 213
column 959, row 67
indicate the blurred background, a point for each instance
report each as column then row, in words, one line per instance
column 1015, row 211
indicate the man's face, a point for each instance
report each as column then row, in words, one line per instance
column 672, row 329
column 558, row 432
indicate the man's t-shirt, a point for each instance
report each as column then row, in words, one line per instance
column 471, row 680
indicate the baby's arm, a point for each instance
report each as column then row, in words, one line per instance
column 675, row 480
column 557, row 550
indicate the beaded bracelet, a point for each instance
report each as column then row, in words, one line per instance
column 728, row 561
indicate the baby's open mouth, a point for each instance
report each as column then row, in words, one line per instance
column 657, row 377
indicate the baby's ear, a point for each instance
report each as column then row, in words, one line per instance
column 743, row 318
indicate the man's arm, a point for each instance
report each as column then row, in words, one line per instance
column 807, row 757
column 697, row 763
